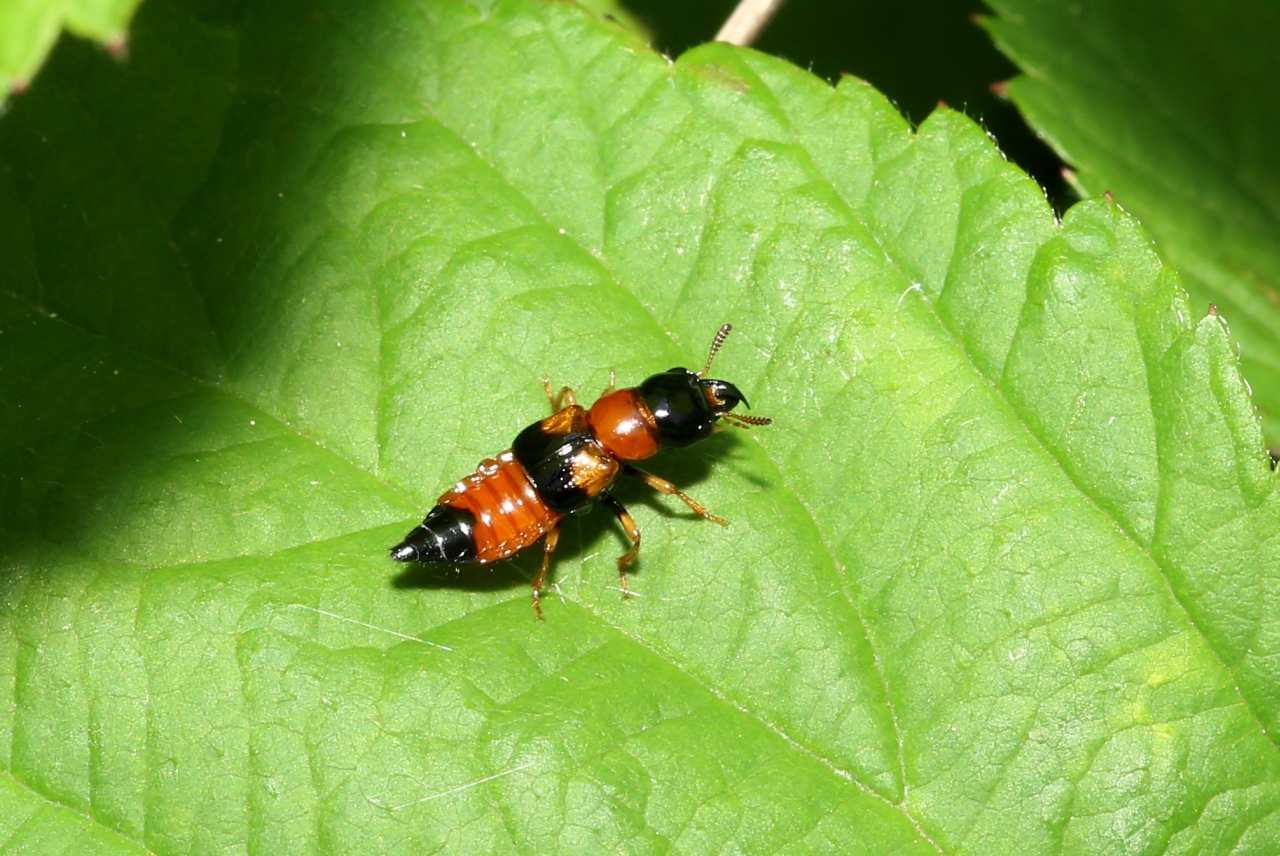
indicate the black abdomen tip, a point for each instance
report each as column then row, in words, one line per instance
column 446, row 536
column 404, row 552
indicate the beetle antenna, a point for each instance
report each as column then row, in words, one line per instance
column 721, row 335
column 744, row 421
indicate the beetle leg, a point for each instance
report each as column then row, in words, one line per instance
column 548, row 547
column 613, row 384
column 633, row 532
column 566, row 398
column 663, row 486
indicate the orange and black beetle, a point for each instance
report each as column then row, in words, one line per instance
column 569, row 460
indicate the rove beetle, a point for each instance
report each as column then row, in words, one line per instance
column 569, row 460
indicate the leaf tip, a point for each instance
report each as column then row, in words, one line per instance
column 118, row 46
column 1000, row 89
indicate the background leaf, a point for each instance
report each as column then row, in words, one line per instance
column 999, row 580
column 28, row 28
column 918, row 53
column 1171, row 108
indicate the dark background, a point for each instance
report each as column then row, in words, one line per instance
column 917, row 52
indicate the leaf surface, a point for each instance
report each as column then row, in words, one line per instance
column 998, row 579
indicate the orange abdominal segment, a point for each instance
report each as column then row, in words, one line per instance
column 508, row 512
column 623, row 424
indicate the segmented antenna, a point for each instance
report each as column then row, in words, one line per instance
column 715, row 346
column 744, row 421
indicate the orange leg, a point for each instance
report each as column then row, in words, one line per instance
column 613, row 384
column 633, row 532
column 566, row 398
column 548, row 547
column 663, row 486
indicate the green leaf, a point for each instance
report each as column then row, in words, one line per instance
column 1166, row 107
column 28, row 29
column 1000, row 578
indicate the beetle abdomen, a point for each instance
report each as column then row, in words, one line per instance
column 446, row 535
column 508, row 512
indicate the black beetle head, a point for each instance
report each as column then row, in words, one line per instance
column 686, row 405
column 683, row 412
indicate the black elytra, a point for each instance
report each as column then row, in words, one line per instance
column 545, row 459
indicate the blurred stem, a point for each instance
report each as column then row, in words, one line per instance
column 747, row 20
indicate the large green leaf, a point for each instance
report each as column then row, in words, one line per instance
column 1172, row 108
column 1000, row 579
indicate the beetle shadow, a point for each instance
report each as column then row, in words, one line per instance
column 516, row 572
column 478, row 578
column 686, row 468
